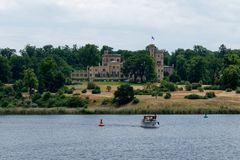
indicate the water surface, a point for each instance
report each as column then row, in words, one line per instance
column 67, row 137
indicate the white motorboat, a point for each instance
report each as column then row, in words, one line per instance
column 150, row 121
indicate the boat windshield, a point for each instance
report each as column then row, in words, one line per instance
column 150, row 118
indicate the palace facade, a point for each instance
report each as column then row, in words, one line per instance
column 112, row 64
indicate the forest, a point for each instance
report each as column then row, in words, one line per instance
column 52, row 66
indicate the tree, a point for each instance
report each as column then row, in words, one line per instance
column 88, row 55
column 30, row 80
column 109, row 88
column 106, row 48
column 51, row 75
column 167, row 57
column 174, row 77
column 124, row 94
column 214, row 67
column 222, row 50
column 231, row 59
column 4, row 70
column 181, row 67
column 29, row 51
column 18, row 64
column 196, row 69
column 139, row 65
column 231, row 76
column 7, row 52
column 200, row 50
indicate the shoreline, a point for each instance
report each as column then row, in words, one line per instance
column 125, row 111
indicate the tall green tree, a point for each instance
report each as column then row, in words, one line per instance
column 5, row 68
column 106, row 48
column 231, row 76
column 30, row 80
column 7, row 52
column 18, row 65
column 140, row 66
column 88, row 55
column 52, row 75
column 196, row 69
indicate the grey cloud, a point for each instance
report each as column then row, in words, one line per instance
column 123, row 24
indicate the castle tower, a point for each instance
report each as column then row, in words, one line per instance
column 158, row 57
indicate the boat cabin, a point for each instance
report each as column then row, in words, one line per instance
column 149, row 118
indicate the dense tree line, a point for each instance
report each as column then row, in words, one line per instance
column 202, row 65
column 52, row 65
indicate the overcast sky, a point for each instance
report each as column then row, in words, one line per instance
column 122, row 24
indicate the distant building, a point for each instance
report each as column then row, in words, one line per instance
column 109, row 70
column 111, row 66
column 168, row 70
column 158, row 57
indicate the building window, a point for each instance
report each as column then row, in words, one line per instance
column 104, row 70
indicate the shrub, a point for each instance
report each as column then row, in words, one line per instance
column 76, row 94
column 24, row 89
column 171, row 87
column 1, row 95
column 18, row 85
column 91, row 85
column 182, row 83
column 76, row 102
column 168, row 95
column 228, row 90
column 68, row 90
column 188, row 87
column 196, row 85
column 157, row 93
column 210, row 94
column 200, row 89
column 96, row 90
column 238, row 90
column 135, row 100
column 109, row 88
column 124, row 94
column 142, row 92
column 180, row 88
column 214, row 87
column 46, row 96
column 195, row 96
column 4, row 104
column 18, row 95
column 36, row 96
column 107, row 101
column 7, row 90
column 84, row 91
column 167, row 86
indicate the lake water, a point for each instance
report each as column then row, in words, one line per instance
column 69, row 137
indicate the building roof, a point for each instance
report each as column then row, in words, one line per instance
column 111, row 55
